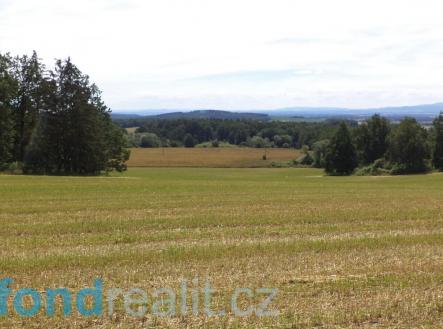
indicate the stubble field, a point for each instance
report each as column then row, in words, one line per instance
column 345, row 252
column 235, row 157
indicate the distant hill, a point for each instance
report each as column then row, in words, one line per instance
column 423, row 113
column 117, row 116
column 213, row 114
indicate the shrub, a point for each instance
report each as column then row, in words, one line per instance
column 375, row 169
column 305, row 159
column 404, row 169
column 257, row 141
column 150, row 140
column 319, row 153
column 15, row 168
column 189, row 141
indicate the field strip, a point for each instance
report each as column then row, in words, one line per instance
column 223, row 238
column 226, row 247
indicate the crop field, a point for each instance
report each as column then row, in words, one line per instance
column 345, row 252
column 208, row 157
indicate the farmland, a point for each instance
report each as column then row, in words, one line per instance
column 343, row 251
column 208, row 157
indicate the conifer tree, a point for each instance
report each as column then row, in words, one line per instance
column 75, row 134
column 28, row 72
column 8, row 90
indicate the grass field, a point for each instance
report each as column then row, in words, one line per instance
column 208, row 157
column 348, row 252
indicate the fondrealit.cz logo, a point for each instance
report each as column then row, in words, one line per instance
column 162, row 302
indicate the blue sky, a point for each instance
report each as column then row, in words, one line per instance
column 239, row 54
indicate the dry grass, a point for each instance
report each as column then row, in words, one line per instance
column 208, row 157
column 345, row 252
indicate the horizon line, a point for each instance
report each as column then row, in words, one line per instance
column 287, row 108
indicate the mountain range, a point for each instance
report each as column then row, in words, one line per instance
column 423, row 113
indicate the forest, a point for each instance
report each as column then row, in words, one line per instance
column 240, row 132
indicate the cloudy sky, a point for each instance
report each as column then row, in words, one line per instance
column 239, row 54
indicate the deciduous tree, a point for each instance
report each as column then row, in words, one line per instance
column 340, row 157
column 408, row 150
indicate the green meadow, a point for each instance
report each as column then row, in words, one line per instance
column 345, row 252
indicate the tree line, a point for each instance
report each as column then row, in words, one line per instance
column 240, row 132
column 371, row 147
column 54, row 121
column 377, row 147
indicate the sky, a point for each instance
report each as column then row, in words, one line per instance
column 239, row 54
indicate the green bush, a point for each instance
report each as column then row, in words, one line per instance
column 258, row 142
column 189, row 141
column 404, row 169
column 374, row 169
column 305, row 159
column 150, row 140
column 15, row 168
column 319, row 153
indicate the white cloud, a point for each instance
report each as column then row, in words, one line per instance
column 239, row 54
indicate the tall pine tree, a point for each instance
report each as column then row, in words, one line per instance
column 29, row 75
column 75, row 134
column 8, row 91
